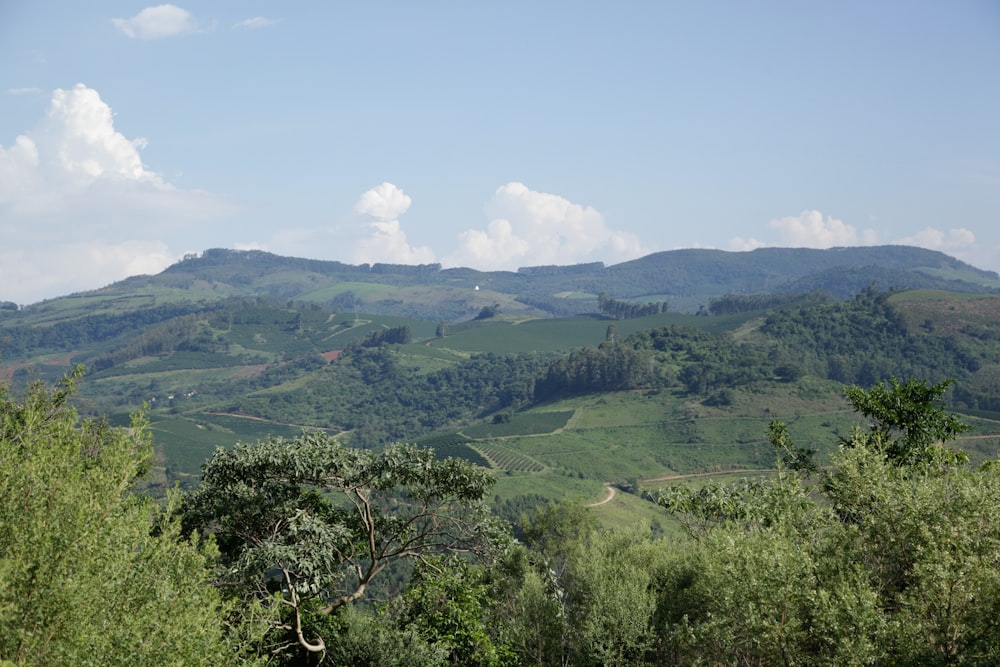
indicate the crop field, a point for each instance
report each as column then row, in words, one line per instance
column 553, row 335
column 453, row 445
column 506, row 459
column 189, row 441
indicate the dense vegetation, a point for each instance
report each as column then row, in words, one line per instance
column 89, row 573
column 889, row 556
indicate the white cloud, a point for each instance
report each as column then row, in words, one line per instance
column 157, row 22
column 529, row 228
column 384, row 201
column 255, row 22
column 387, row 241
column 740, row 244
column 78, row 208
column 934, row 239
column 960, row 243
column 31, row 275
column 809, row 229
column 24, row 91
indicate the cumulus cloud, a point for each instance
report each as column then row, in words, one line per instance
column 386, row 241
column 255, row 22
column 958, row 242
column 529, row 228
column 79, row 208
column 935, row 239
column 809, row 229
column 157, row 22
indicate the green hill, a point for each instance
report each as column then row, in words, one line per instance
column 235, row 346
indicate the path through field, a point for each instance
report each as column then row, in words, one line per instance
column 611, row 496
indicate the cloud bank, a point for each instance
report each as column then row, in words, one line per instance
column 811, row 229
column 78, row 207
column 529, row 228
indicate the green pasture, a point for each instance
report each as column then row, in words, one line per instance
column 568, row 333
column 525, row 423
column 624, row 510
column 359, row 289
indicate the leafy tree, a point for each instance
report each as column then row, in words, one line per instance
column 314, row 522
column 909, row 419
column 449, row 605
column 587, row 597
column 89, row 573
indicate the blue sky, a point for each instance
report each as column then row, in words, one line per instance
column 487, row 134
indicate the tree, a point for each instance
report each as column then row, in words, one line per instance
column 312, row 523
column 89, row 572
column 909, row 419
column 450, row 606
column 486, row 312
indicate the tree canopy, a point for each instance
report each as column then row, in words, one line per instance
column 314, row 522
column 91, row 574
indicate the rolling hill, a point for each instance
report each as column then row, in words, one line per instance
column 555, row 397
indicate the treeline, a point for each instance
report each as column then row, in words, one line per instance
column 731, row 304
column 368, row 392
column 400, row 335
column 609, row 367
column 626, row 310
column 187, row 333
column 17, row 340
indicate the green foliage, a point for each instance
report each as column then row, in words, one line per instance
column 586, row 598
column 728, row 304
column 362, row 639
column 450, row 606
column 609, row 367
column 90, row 574
column 488, row 312
column 453, row 445
column 889, row 560
column 627, row 310
column 315, row 522
column 400, row 335
column 909, row 420
column 371, row 392
column 790, row 456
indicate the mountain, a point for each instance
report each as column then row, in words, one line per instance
column 686, row 279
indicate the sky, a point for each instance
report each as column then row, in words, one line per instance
column 492, row 135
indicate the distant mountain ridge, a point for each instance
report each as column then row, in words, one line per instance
column 686, row 279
